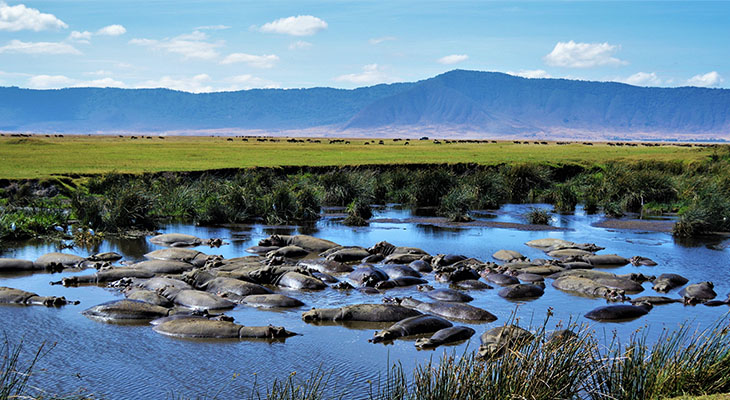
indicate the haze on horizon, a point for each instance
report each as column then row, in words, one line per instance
column 221, row 45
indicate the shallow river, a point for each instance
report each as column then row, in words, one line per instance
column 132, row 362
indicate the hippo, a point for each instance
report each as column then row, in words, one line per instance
column 420, row 266
column 564, row 253
column 445, row 336
column 403, row 258
column 639, row 261
column 445, row 294
column 401, row 281
column 261, row 249
column 458, row 311
column 388, row 249
column 271, row 301
column 228, row 286
column 458, row 274
column 530, row 278
column 297, row 281
column 627, row 285
column 546, row 243
column 345, row 253
column 471, row 284
column 521, row 291
column 16, row 296
column 666, row 282
column 500, row 279
column 326, row 278
column 104, row 276
column 187, row 255
column 373, row 259
column 588, row 287
column 507, row 255
column 197, row 299
column 126, row 310
column 203, row 328
column 163, row 266
column 605, row 260
column 160, row 283
column 326, row 266
column 442, row 260
column 290, row 251
column 367, row 275
column 109, row 256
column 361, row 312
column 577, row 265
column 495, row 341
column 16, row 265
column 58, row 261
column 176, row 240
column 148, row 296
column 655, row 300
column 396, row 271
column 619, row 312
column 306, row 242
column 698, row 293
column 416, row 325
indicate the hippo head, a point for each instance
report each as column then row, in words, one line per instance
column 54, row 301
column 274, row 332
column 645, row 305
column 273, row 240
column 424, row 288
column 311, row 315
column 54, row 267
column 615, row 295
column 383, row 247
column 382, row 336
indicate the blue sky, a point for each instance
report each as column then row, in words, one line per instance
column 211, row 45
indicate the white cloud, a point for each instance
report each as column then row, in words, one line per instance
column 530, row 73
column 452, row 59
column 61, row 81
column 642, row 79
column 112, row 30
column 299, row 44
column 244, row 82
column 583, row 55
column 381, row 39
column 17, row 46
column 264, row 61
column 20, row 17
column 193, row 45
column 212, row 28
column 81, row 37
column 301, row 25
column 710, row 79
column 371, row 74
column 197, row 84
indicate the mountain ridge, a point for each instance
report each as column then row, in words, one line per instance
column 456, row 103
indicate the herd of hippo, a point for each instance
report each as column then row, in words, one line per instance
column 183, row 292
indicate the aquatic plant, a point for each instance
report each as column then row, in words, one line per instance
column 27, row 222
column 358, row 213
column 428, row 186
column 523, row 180
column 565, row 198
column 456, row 204
column 538, row 216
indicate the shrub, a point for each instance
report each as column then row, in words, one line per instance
column 538, row 216
column 522, row 181
column 358, row 212
column 428, row 186
column 456, row 204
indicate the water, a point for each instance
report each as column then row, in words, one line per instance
column 130, row 362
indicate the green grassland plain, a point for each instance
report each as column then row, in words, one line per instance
column 38, row 156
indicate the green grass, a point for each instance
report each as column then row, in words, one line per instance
column 40, row 157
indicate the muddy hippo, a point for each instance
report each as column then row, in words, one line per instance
column 345, row 253
column 507, row 255
column 530, row 278
column 58, row 261
column 564, row 253
column 104, row 276
column 458, row 311
column 577, row 265
column 203, row 328
column 230, row 286
column 442, row 260
column 108, row 256
column 261, row 249
column 176, row 240
column 367, row 275
column 698, row 293
column 666, row 282
column 160, row 283
column 471, row 284
column 445, row 336
column 421, row 266
column 290, row 251
column 187, row 255
column 411, row 326
column 500, row 279
column 654, row 300
column 306, row 242
column 495, row 341
column 326, row 266
column 271, row 301
column 401, row 281
column 546, row 243
column 361, row 312
column 388, row 249
column 16, row 265
column 445, row 294
column 163, row 266
column 197, row 299
column 521, row 291
column 588, row 287
column 298, row 281
column 637, row 261
column 619, row 312
column 396, row 271
column 148, row 296
column 17, row 296
column 627, row 285
column 457, row 274
column 126, row 310
column 605, row 260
